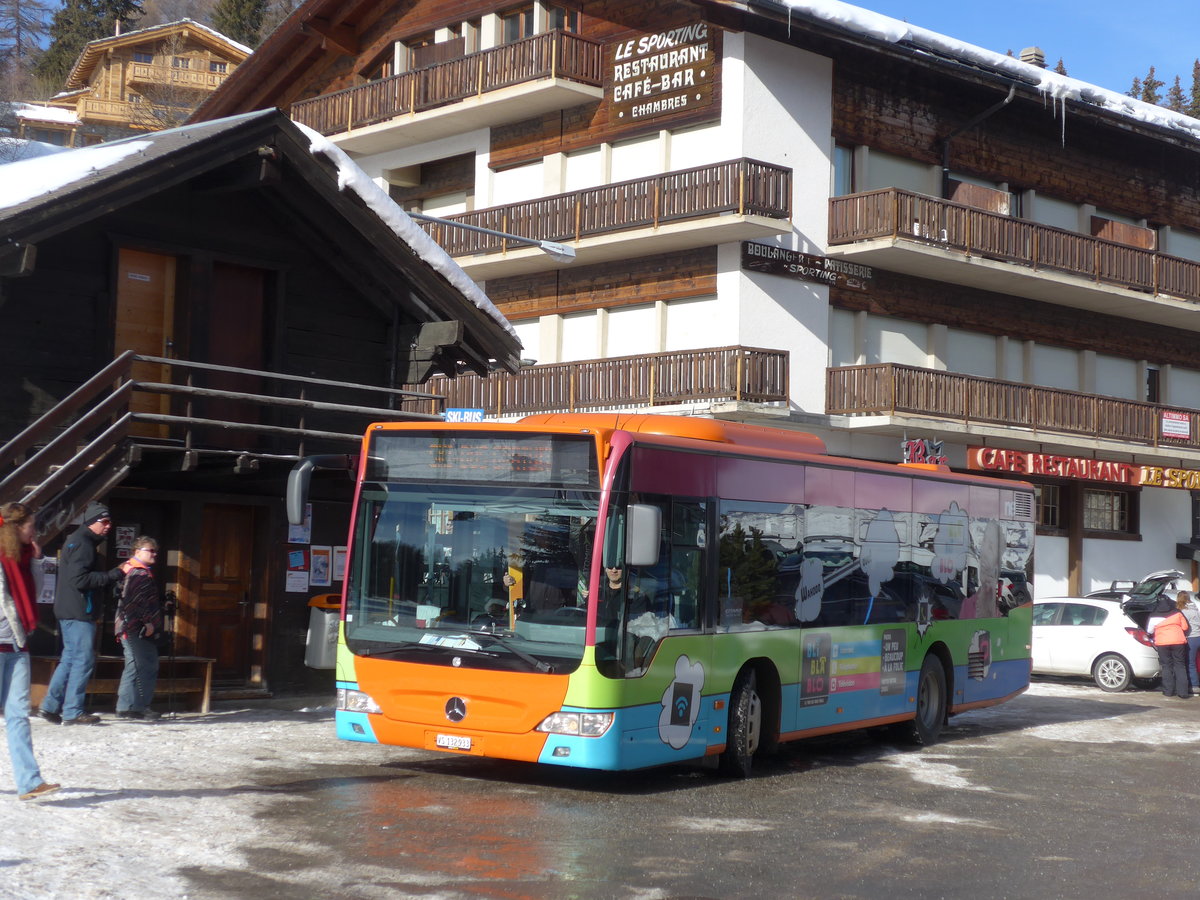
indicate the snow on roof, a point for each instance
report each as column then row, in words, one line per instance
column 39, row 113
column 191, row 24
column 14, row 149
column 351, row 177
column 1059, row 88
column 28, row 178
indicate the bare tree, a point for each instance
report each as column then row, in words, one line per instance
column 170, row 98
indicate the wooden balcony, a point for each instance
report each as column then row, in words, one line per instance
column 142, row 74
column 712, row 375
column 920, row 235
column 887, row 389
column 718, row 203
column 546, row 72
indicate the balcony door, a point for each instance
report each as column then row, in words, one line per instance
column 236, row 330
column 228, row 592
column 145, row 324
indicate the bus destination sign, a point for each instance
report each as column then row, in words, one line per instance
column 542, row 460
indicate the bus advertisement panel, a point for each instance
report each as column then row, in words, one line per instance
column 615, row 592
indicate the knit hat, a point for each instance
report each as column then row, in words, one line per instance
column 95, row 512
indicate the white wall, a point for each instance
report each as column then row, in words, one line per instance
column 970, row 353
column 632, row 330
column 1118, row 378
column 579, row 336
column 516, row 184
column 1050, row 566
column 1051, row 211
column 896, row 341
column 843, row 350
column 584, row 169
column 1181, row 243
column 692, row 324
column 696, row 146
column 1184, row 387
column 1054, row 367
column 638, row 158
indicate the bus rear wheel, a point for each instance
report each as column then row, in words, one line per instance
column 931, row 704
column 745, row 727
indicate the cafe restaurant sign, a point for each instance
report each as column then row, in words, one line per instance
column 776, row 260
column 1020, row 462
column 660, row 73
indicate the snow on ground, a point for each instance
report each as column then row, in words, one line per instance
column 141, row 801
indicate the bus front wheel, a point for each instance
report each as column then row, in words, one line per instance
column 745, row 726
column 931, row 703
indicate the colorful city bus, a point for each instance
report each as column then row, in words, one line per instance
column 616, row 591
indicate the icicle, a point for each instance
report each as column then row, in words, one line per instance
column 1064, row 122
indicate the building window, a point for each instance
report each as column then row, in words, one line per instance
column 843, row 170
column 1153, row 385
column 564, row 20
column 135, row 98
column 219, row 67
column 1106, row 511
column 141, row 57
column 516, row 24
column 1049, row 501
column 181, row 62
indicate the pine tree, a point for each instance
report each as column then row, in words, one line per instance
column 77, row 23
column 1136, row 89
column 24, row 25
column 240, row 20
column 1193, row 108
column 1175, row 98
column 1060, row 68
column 1150, row 86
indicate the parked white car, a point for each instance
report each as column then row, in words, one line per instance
column 1091, row 637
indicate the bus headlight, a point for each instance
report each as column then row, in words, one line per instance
column 588, row 724
column 356, row 701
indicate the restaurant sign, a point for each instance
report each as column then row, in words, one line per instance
column 776, row 260
column 1020, row 462
column 661, row 73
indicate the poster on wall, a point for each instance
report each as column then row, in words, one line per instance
column 126, row 534
column 339, row 563
column 302, row 534
column 319, row 574
column 297, row 571
column 48, row 578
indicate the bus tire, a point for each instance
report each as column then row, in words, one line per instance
column 745, row 727
column 925, row 727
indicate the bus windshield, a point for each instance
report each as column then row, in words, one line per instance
column 480, row 576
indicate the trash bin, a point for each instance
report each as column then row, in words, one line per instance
column 320, row 650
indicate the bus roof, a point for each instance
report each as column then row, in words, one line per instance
column 739, row 434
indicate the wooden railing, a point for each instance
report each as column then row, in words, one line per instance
column 83, row 446
column 198, row 79
column 742, row 186
column 904, row 215
column 555, row 54
column 714, row 375
column 888, row 389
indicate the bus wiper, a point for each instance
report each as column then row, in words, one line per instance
column 406, row 648
column 532, row 661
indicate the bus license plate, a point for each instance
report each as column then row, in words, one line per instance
column 453, row 741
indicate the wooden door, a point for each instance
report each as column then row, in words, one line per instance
column 145, row 325
column 236, row 329
column 225, row 622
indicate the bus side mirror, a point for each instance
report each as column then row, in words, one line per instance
column 301, row 475
column 642, row 535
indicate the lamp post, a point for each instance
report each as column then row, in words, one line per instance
column 563, row 253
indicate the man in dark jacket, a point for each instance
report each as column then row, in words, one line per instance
column 78, row 604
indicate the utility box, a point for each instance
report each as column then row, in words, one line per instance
column 320, row 649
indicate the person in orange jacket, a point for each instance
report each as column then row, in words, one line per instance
column 1169, row 631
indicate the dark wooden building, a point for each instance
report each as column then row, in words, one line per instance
column 187, row 313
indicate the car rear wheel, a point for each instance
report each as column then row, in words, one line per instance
column 1111, row 673
column 925, row 728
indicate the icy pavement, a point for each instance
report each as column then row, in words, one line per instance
column 200, row 806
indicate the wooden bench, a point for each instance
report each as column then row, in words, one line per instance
column 187, row 678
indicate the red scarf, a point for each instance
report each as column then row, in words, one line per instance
column 18, row 574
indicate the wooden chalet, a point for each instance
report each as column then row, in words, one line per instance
column 185, row 315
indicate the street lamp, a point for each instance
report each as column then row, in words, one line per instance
column 563, row 253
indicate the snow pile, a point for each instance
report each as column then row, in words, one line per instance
column 28, row 178
column 351, row 177
column 1057, row 87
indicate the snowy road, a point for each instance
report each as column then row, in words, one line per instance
column 1061, row 792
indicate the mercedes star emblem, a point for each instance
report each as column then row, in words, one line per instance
column 456, row 709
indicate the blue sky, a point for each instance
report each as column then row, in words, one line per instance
column 1105, row 42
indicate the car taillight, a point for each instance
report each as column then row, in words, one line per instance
column 1140, row 636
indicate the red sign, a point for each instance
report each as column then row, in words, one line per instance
column 995, row 459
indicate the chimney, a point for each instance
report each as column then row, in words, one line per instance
column 1034, row 56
